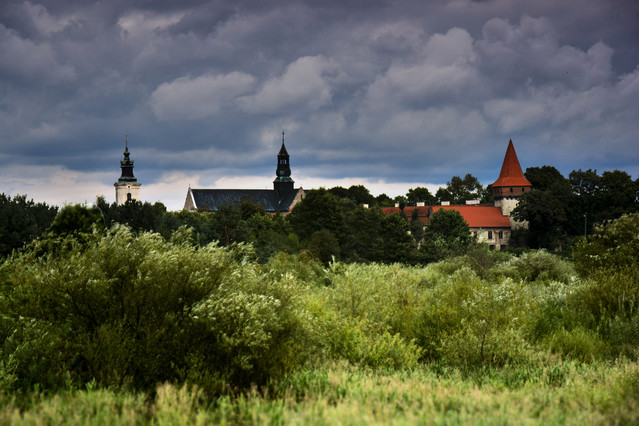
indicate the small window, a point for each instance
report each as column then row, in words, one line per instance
column 501, row 235
column 492, row 247
column 503, row 247
column 128, row 196
column 512, row 189
column 490, row 235
column 475, row 234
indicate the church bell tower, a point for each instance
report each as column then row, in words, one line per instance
column 283, row 182
column 127, row 187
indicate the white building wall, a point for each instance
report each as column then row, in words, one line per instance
column 123, row 189
column 507, row 205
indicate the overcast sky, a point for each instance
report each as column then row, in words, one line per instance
column 388, row 94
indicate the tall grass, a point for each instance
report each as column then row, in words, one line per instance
column 567, row 393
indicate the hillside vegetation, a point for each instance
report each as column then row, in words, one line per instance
column 134, row 328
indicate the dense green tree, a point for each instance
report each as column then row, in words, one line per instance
column 613, row 247
column 339, row 191
column 618, row 195
column 397, row 245
column 416, row 226
column 545, row 178
column 324, row 246
column 459, row 190
column 487, row 195
column 77, row 219
column 602, row 198
column 140, row 216
column 318, row 210
column 204, row 225
column 420, row 194
column 545, row 215
column 271, row 235
column 22, row 221
column 401, row 200
column 358, row 194
column 383, row 200
column 446, row 235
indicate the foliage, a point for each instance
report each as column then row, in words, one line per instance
column 420, row 194
column 135, row 214
column 545, row 216
column 76, row 219
column 124, row 311
column 362, row 234
column 22, row 221
column 135, row 311
column 562, row 393
column 447, row 235
column 459, row 190
column 358, row 194
column 612, row 247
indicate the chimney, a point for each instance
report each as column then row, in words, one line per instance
column 421, row 203
column 445, row 203
column 472, row 202
column 365, row 206
column 397, row 205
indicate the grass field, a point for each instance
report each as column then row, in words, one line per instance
column 566, row 393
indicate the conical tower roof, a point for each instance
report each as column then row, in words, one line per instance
column 511, row 174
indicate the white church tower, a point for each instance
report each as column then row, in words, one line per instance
column 127, row 187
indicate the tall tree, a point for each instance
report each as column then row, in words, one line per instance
column 420, row 194
column 446, row 235
column 459, row 190
column 546, row 217
column 318, row 210
column 22, row 221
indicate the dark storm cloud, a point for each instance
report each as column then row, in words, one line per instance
column 406, row 91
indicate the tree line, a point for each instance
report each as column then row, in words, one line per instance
column 333, row 223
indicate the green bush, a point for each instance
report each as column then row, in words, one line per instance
column 471, row 322
column 608, row 300
column 538, row 265
column 613, row 246
column 579, row 343
column 134, row 311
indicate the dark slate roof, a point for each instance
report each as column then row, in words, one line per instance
column 216, row 198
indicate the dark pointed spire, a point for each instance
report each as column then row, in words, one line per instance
column 283, row 148
column 126, row 165
column 283, row 181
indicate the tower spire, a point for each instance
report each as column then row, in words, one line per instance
column 283, row 181
column 127, row 187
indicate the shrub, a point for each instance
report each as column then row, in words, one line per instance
column 613, row 246
column 578, row 343
column 135, row 311
column 538, row 265
column 471, row 322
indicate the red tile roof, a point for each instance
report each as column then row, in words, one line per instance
column 477, row 216
column 480, row 216
column 511, row 174
column 422, row 212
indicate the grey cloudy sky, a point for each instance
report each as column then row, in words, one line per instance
column 386, row 93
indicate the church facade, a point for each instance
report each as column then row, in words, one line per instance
column 488, row 223
column 280, row 199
